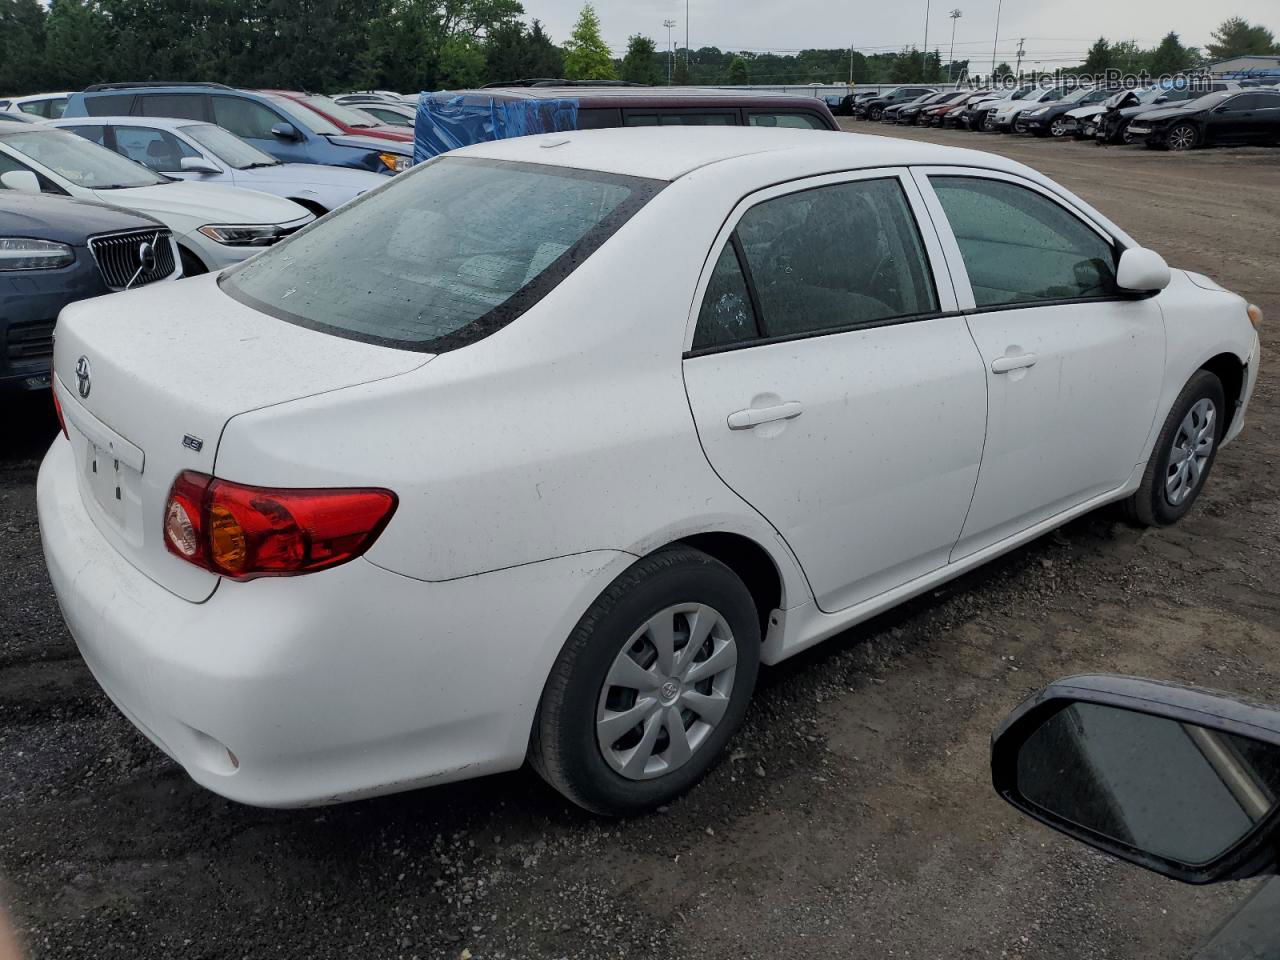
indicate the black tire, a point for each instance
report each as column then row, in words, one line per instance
column 876, row 113
column 563, row 747
column 192, row 266
column 1150, row 505
column 1182, row 136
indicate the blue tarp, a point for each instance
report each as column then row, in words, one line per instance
column 447, row 121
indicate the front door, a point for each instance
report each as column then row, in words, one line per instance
column 1073, row 368
column 833, row 384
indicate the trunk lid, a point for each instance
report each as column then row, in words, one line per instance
column 148, row 379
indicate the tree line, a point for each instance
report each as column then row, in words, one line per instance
column 413, row 45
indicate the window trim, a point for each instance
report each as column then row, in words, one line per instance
column 934, row 256
column 960, row 275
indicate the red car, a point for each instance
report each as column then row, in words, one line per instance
column 346, row 119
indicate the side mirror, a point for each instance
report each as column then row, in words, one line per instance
column 286, row 131
column 197, row 165
column 1181, row 781
column 1142, row 271
column 24, row 181
column 1161, row 99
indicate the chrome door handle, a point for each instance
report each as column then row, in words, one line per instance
column 754, row 416
column 1005, row 364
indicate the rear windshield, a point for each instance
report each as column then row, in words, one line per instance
column 443, row 255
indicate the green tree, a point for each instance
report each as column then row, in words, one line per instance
column 906, row 68
column 640, row 65
column 1170, row 56
column 1003, row 70
column 1238, row 37
column 586, row 55
column 1099, row 57
column 738, row 76
column 680, row 71
column 77, row 37
column 21, row 46
column 545, row 58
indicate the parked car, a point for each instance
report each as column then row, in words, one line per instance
column 839, row 104
column 456, row 471
column 938, row 116
column 13, row 119
column 1112, row 126
column 214, row 225
column 54, row 251
column 1002, row 117
column 977, row 115
column 850, row 101
column 276, row 125
column 373, row 96
column 207, row 153
column 390, row 114
column 890, row 113
column 913, row 112
column 1051, row 119
column 349, row 120
column 44, row 105
column 1237, row 116
column 874, row 107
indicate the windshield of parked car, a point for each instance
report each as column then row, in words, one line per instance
column 227, row 147
column 335, row 110
column 77, row 160
column 444, row 255
column 304, row 116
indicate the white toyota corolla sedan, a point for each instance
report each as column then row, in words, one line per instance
column 539, row 450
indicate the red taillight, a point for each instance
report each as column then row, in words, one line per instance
column 244, row 532
column 57, row 408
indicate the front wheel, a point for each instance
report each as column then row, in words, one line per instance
column 1182, row 137
column 1058, row 128
column 1183, row 454
column 652, row 683
column 876, row 113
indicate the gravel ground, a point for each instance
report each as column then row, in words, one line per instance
column 855, row 816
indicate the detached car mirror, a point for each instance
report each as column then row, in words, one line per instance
column 197, row 165
column 24, row 181
column 285, row 131
column 1181, row 781
column 1142, row 271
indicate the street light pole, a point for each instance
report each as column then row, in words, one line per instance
column 924, row 54
column 954, row 15
column 670, row 53
column 688, row 77
column 995, row 42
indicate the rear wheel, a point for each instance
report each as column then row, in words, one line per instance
column 1183, row 454
column 1184, row 136
column 651, row 685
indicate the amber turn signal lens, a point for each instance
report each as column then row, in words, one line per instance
column 1255, row 315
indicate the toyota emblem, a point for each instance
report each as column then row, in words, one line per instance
column 83, row 382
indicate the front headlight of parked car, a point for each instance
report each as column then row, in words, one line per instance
column 244, row 235
column 1037, row 112
column 19, row 253
column 395, row 163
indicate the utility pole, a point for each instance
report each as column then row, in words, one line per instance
column 951, row 65
column 1017, row 70
column 670, row 52
column 924, row 54
column 688, row 75
column 996, row 42
column 851, row 68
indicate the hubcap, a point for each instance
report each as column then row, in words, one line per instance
column 1182, row 138
column 1058, row 128
column 667, row 690
column 1192, row 446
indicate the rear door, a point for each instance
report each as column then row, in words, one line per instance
column 833, row 384
column 1073, row 368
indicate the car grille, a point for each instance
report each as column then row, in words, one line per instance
column 29, row 342
column 120, row 261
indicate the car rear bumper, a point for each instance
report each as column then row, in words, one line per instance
column 307, row 690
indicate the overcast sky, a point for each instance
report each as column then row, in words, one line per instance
column 1057, row 34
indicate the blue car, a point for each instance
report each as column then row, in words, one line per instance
column 275, row 125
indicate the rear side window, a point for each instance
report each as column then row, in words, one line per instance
column 671, row 118
column 798, row 121
column 836, row 257
column 182, row 106
column 1021, row 247
column 444, row 256
column 109, row 105
column 244, row 118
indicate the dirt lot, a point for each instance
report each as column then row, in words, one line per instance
column 855, row 817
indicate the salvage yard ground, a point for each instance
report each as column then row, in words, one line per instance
column 855, row 817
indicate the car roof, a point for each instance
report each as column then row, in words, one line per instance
column 667, row 153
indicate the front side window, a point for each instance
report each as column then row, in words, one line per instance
column 82, row 163
column 798, row 121
column 836, row 257
column 1021, row 247
column 444, row 256
column 157, row 149
column 244, row 118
